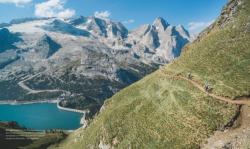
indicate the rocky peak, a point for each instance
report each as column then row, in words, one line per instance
column 162, row 41
column 101, row 27
column 118, row 30
column 78, row 21
column 160, row 23
column 97, row 25
column 106, row 27
column 182, row 31
column 46, row 47
column 142, row 30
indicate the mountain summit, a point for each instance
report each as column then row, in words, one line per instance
column 161, row 41
column 160, row 23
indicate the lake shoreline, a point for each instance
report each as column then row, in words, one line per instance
column 42, row 115
column 83, row 121
column 22, row 102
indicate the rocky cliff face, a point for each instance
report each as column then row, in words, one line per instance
column 159, row 42
column 87, row 56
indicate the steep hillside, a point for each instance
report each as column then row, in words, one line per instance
column 170, row 108
column 7, row 40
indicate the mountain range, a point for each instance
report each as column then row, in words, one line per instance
column 90, row 58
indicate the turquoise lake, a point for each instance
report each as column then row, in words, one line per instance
column 40, row 116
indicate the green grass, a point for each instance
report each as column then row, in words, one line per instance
column 157, row 112
column 162, row 112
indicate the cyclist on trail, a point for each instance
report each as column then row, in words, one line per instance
column 189, row 76
column 206, row 87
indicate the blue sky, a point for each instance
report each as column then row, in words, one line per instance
column 193, row 14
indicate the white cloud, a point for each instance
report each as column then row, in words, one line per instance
column 16, row 2
column 102, row 14
column 128, row 21
column 53, row 8
column 196, row 27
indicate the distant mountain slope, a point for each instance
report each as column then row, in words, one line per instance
column 89, row 58
column 163, row 110
column 46, row 47
column 63, row 27
column 7, row 40
column 158, row 37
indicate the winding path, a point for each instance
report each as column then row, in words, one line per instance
column 238, row 101
column 221, row 138
column 32, row 91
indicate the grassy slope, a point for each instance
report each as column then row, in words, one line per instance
column 222, row 57
column 160, row 112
